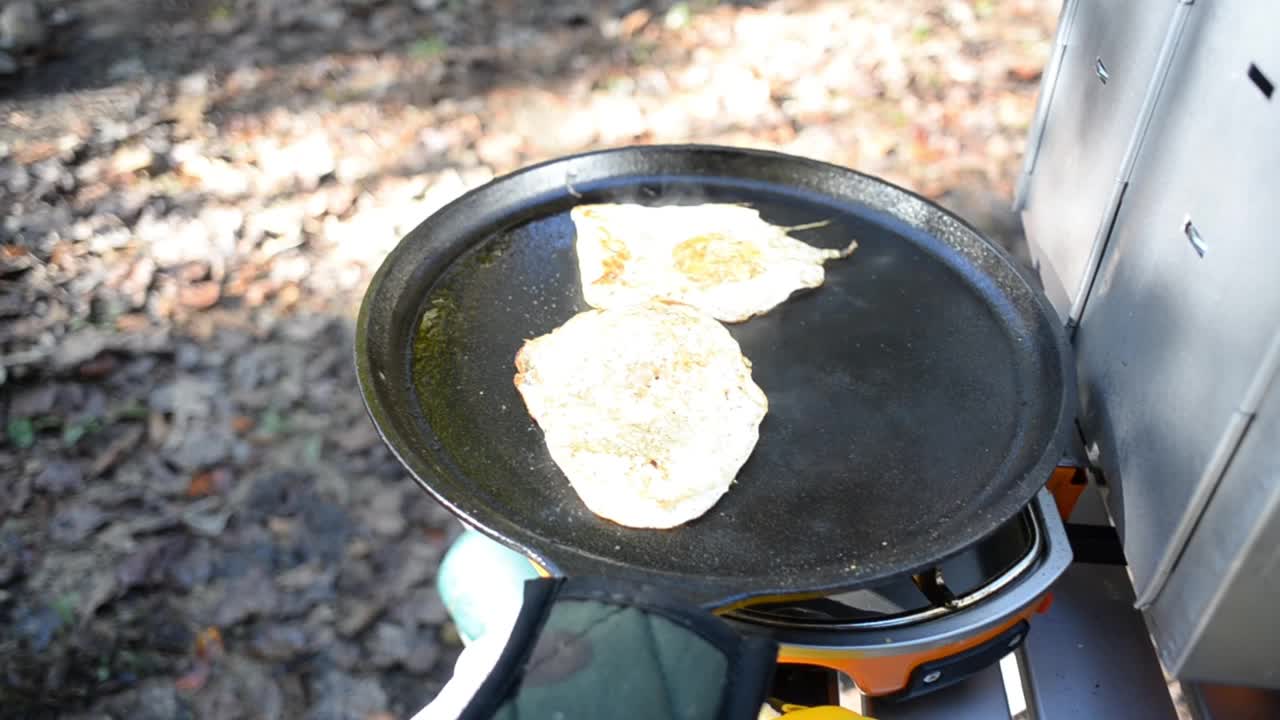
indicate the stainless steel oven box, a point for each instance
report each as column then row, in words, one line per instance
column 1151, row 203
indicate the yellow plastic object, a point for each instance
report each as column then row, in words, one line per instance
column 822, row 712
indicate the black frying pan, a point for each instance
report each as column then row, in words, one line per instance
column 917, row 400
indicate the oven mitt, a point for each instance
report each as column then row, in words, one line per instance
column 593, row 648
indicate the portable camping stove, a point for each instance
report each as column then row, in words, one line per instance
column 912, row 635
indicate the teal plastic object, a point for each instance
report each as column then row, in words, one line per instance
column 481, row 583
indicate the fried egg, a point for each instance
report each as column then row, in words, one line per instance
column 722, row 259
column 649, row 410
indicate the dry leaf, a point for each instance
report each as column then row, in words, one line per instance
column 194, row 679
column 201, row 295
column 209, row 482
column 209, row 644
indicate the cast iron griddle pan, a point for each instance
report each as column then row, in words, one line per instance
column 917, row 400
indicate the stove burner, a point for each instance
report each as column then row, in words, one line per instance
column 954, row 618
column 955, row 583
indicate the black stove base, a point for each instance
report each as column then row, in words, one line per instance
column 935, row 675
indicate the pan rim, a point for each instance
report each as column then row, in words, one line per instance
column 513, row 534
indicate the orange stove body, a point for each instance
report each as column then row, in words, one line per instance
column 888, row 674
column 879, row 675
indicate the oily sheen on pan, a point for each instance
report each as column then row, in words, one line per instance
column 649, row 410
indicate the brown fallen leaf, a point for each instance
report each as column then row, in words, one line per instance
column 242, row 424
column 188, row 114
column 201, row 484
column 99, row 367
column 137, row 281
column 63, row 256
column 1025, row 73
column 288, row 295
column 634, row 22
column 195, row 678
column 132, row 322
column 238, row 282
column 209, row 482
column 14, row 258
column 35, row 152
column 201, row 327
column 257, row 292
column 209, row 643
column 200, row 296
column 89, row 195
column 193, row 272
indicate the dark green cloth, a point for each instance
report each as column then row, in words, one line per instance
column 591, row 649
column 593, row 658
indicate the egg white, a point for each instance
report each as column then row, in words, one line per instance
column 649, row 410
column 723, row 259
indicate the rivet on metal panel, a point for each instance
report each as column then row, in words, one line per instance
column 1197, row 242
column 1101, row 70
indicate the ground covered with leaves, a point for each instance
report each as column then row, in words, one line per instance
column 199, row 520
